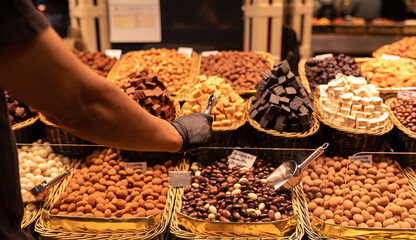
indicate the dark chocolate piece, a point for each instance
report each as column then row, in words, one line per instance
column 273, row 109
column 282, row 81
column 283, row 68
column 263, row 109
column 295, row 103
column 303, row 109
column 268, row 116
column 263, row 122
column 280, row 127
column 304, row 118
column 284, row 110
column 297, row 84
column 306, row 127
column 290, row 91
column 290, row 76
column 302, row 93
column 279, row 91
column 284, row 100
column 274, row 99
column 130, row 90
column 266, row 94
column 261, row 85
column 157, row 110
column 294, row 127
column 292, row 117
column 266, row 74
column 281, row 118
column 255, row 115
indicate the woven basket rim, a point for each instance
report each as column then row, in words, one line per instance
column 396, row 121
column 46, row 231
column 185, row 234
column 256, row 125
column 387, row 128
column 302, row 74
column 46, row 121
column 26, row 123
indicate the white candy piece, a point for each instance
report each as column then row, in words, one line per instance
column 361, row 122
column 356, row 107
column 369, row 109
column 339, row 122
column 350, row 121
column 345, row 111
column 356, row 100
column 365, row 101
column 368, row 115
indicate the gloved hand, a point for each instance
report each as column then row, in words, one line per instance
column 195, row 129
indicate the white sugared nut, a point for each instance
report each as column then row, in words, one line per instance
column 37, row 163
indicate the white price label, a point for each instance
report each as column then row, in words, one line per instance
column 242, row 159
column 113, row 53
column 209, row 53
column 136, row 165
column 362, row 159
column 185, row 51
column 388, row 57
column 323, row 56
column 406, row 94
column 179, row 179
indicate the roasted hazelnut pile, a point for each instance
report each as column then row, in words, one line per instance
column 405, row 111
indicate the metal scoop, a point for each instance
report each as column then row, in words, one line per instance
column 288, row 174
column 210, row 104
column 39, row 189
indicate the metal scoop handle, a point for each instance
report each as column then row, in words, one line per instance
column 41, row 187
column 210, row 104
column 317, row 153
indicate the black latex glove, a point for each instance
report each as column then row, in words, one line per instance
column 195, row 129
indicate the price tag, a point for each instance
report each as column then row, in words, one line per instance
column 388, row 57
column 209, row 53
column 185, row 51
column 179, row 179
column 242, row 159
column 323, row 56
column 136, row 165
column 113, row 53
column 406, row 94
column 362, row 158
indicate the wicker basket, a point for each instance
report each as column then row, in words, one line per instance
column 395, row 29
column 302, row 74
column 243, row 93
column 44, row 229
column 57, row 136
column 356, row 232
column 269, row 138
column 304, row 78
column 25, row 131
column 179, row 95
column 28, row 220
column 180, row 233
column 349, row 141
column 404, row 138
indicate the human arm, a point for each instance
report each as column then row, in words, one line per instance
column 44, row 73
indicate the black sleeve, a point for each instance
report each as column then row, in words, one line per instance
column 19, row 20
